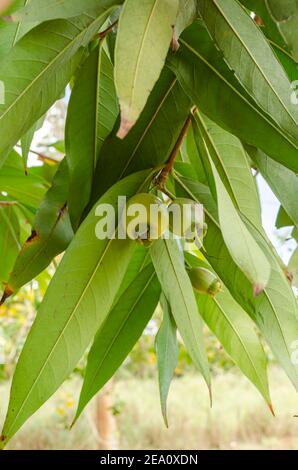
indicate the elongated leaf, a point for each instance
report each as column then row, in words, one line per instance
column 9, row 240
column 167, row 351
column 51, row 234
column 213, row 88
column 274, row 310
column 145, row 30
column 152, row 139
column 43, row 10
column 177, row 288
column 244, row 48
column 119, row 333
column 243, row 248
column 236, row 332
column 285, row 14
column 75, row 306
column 283, row 182
column 92, row 113
column 51, row 57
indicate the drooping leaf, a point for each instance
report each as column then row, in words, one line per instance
column 283, row 182
column 243, row 248
column 236, row 332
column 44, row 10
column 213, row 87
column 177, row 288
column 152, row 139
column 244, row 48
column 26, row 140
column 32, row 83
column 145, row 30
column 9, row 239
column 119, row 333
column 92, row 112
column 167, row 351
column 274, row 310
column 76, row 304
column 285, row 14
column 50, row 236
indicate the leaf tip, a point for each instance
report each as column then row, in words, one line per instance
column 125, row 126
column 270, row 406
column 258, row 289
column 6, row 294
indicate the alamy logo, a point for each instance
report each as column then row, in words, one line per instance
column 145, row 218
column 294, row 94
column 2, row 92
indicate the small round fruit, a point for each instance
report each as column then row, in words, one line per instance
column 205, row 281
column 185, row 218
column 145, row 218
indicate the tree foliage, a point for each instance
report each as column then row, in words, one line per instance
column 184, row 98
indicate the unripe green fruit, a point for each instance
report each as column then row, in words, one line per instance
column 185, row 218
column 146, row 218
column 205, row 281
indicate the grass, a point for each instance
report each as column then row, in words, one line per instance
column 239, row 418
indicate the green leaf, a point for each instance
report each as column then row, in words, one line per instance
column 119, row 333
column 32, row 83
column 27, row 189
column 231, row 162
column 76, row 304
column 145, row 30
column 244, row 48
column 43, row 10
column 243, row 248
column 285, row 14
column 187, row 13
column 283, row 182
column 177, row 288
column 151, row 140
column 9, row 239
column 282, row 219
column 50, row 236
column 92, row 112
column 274, row 310
column 212, row 86
column 236, row 332
column 167, row 351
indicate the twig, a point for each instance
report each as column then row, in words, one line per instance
column 165, row 172
column 104, row 33
column 40, row 155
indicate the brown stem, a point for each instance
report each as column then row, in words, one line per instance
column 165, row 172
column 104, row 33
column 8, row 203
column 41, row 156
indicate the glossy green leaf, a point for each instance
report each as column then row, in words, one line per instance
column 213, row 87
column 92, row 113
column 52, row 54
column 285, row 14
column 9, row 240
column 145, row 30
column 177, row 288
column 76, row 304
column 283, row 182
column 274, row 310
column 50, row 236
column 244, row 48
column 167, row 351
column 26, row 140
column 119, row 333
column 151, row 140
column 43, row 10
